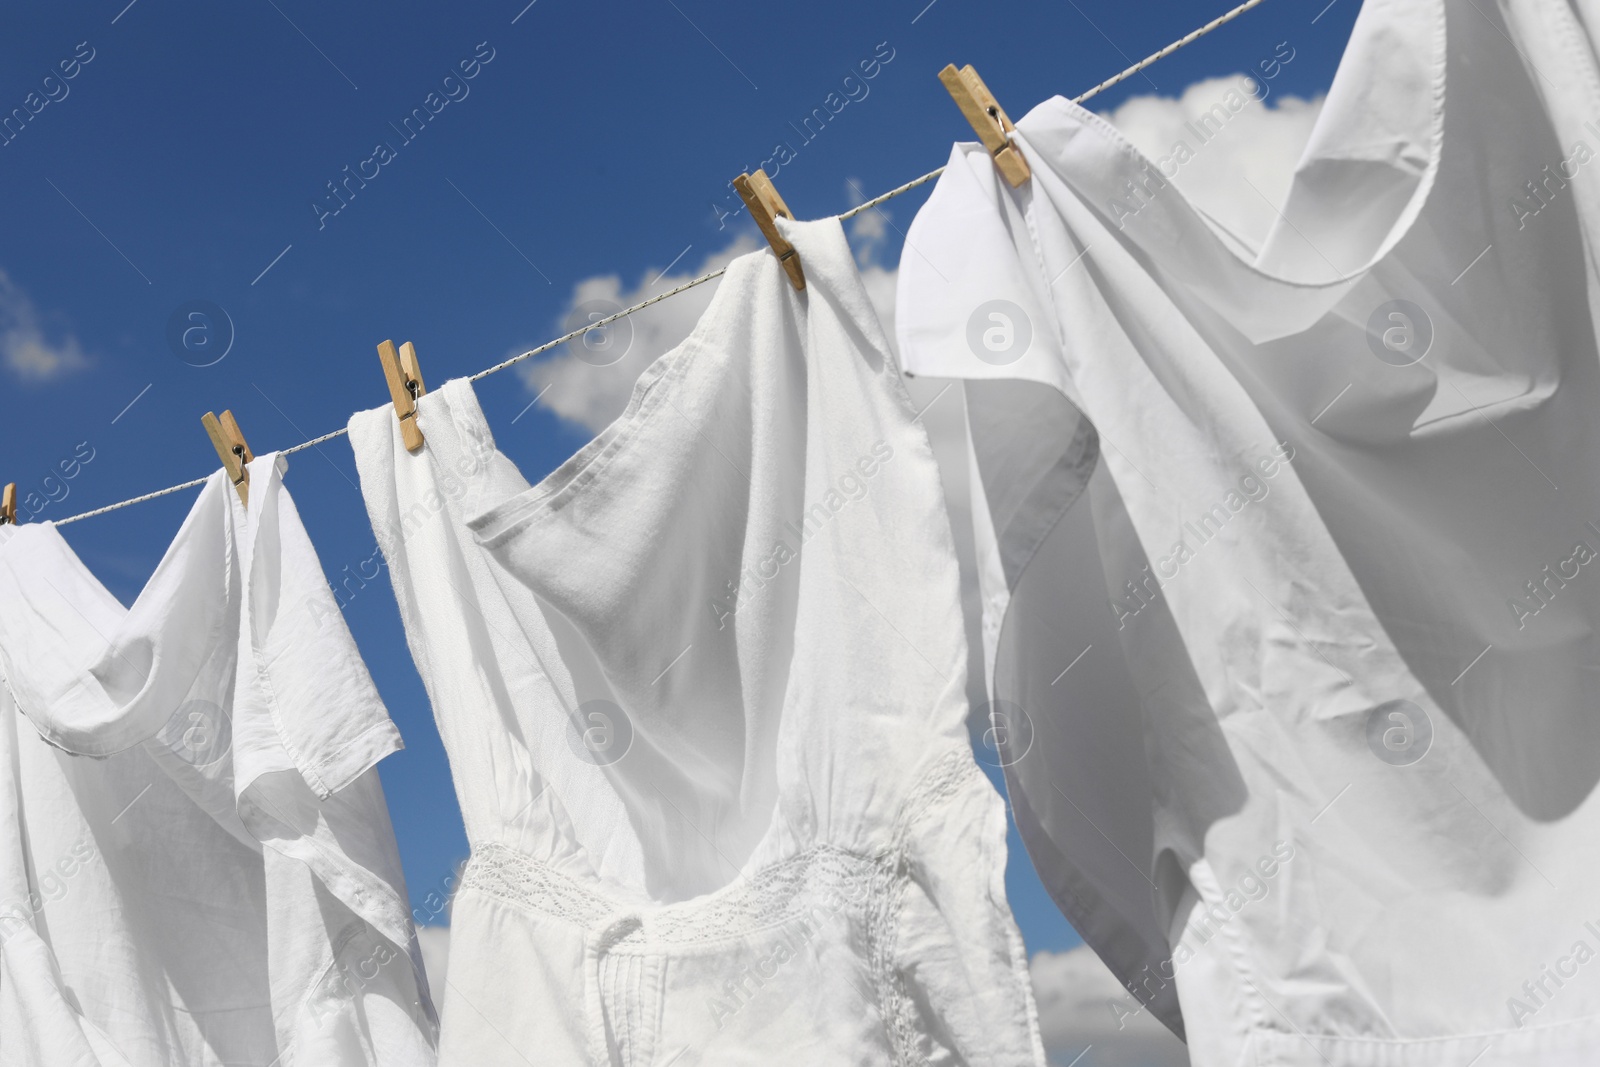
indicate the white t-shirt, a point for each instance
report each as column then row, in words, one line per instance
column 196, row 862
column 703, row 695
column 1287, row 551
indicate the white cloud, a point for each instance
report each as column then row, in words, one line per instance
column 25, row 348
column 435, row 944
column 591, row 395
column 1247, row 143
column 869, row 231
column 1082, row 1006
column 869, row 226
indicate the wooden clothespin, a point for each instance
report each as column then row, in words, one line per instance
column 8, row 504
column 404, row 375
column 988, row 118
column 231, row 449
column 761, row 197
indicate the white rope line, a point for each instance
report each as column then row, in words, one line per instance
column 702, row 279
column 136, row 500
column 315, row 441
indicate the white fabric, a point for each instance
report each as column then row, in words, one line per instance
column 196, row 862
column 702, row 690
column 1329, row 754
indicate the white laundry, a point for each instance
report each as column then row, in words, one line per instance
column 703, row 695
column 1294, row 626
column 196, row 863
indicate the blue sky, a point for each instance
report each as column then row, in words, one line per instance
column 186, row 163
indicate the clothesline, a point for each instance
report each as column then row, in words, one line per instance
column 1154, row 57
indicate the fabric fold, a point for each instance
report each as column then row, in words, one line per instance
column 1305, row 669
column 220, row 882
column 703, row 689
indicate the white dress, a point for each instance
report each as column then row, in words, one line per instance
column 196, row 862
column 1290, row 553
column 702, row 690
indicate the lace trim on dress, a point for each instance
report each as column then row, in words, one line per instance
column 820, row 878
column 868, row 888
column 516, row 878
column 824, row 876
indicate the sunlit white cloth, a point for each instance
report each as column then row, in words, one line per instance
column 1289, row 555
column 703, row 690
column 196, row 863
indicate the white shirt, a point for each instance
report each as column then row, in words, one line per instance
column 703, row 694
column 196, row 862
column 1318, row 518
